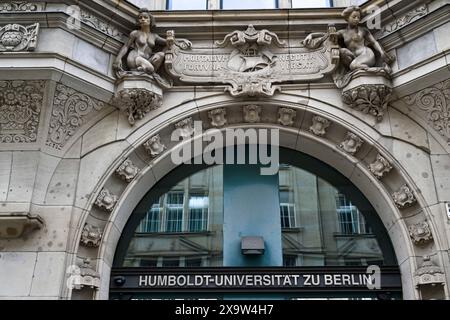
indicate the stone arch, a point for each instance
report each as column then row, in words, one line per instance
column 318, row 129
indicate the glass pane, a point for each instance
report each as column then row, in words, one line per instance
column 310, row 3
column 249, row 4
column 320, row 225
column 331, row 230
column 186, row 5
column 203, row 211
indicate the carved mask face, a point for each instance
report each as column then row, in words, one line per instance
column 354, row 18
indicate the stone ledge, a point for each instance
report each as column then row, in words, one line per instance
column 17, row 224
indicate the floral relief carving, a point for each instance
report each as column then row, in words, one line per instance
column 404, row 197
column 319, row 126
column 91, row 236
column 370, row 99
column 380, row 167
column 70, row 112
column 127, row 171
column 154, row 147
column 403, row 21
column 84, row 275
column 20, row 108
column 252, row 113
column 106, row 200
column 15, row 37
column 420, row 233
column 435, row 102
column 24, row 6
column 286, row 116
column 101, row 25
column 218, row 117
column 352, row 143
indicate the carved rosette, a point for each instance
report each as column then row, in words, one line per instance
column 91, row 236
column 435, row 102
column 319, row 126
column 20, row 108
column 185, row 128
column 83, row 276
column 71, row 109
column 137, row 96
column 15, row 37
column 252, row 113
column 127, row 171
column 352, row 143
column 429, row 274
column 404, row 197
column 106, row 200
column 380, row 167
column 286, row 116
column 420, row 233
column 217, row 117
column 154, row 147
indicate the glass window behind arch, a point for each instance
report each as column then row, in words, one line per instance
column 311, row 3
column 320, row 225
column 249, row 4
column 186, row 4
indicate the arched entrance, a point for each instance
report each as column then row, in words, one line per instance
column 319, row 130
column 323, row 235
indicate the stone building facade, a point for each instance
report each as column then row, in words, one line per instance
column 84, row 138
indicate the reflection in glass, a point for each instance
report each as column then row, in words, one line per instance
column 249, row 4
column 186, row 5
column 320, row 225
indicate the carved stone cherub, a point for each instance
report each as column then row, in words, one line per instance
column 358, row 51
column 142, row 59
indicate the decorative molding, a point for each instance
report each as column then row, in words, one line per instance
column 218, row 117
column 404, row 197
column 420, row 233
column 137, row 103
column 20, row 108
column 352, row 143
column 100, row 25
column 91, row 236
column 106, row 200
column 83, row 275
column 21, row 6
column 15, row 37
column 429, row 274
column 71, row 109
column 16, row 225
column 127, row 171
column 370, row 99
column 286, row 116
column 185, row 128
column 380, row 167
column 435, row 101
column 403, row 21
column 319, row 126
column 154, row 147
column 252, row 63
column 252, row 113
